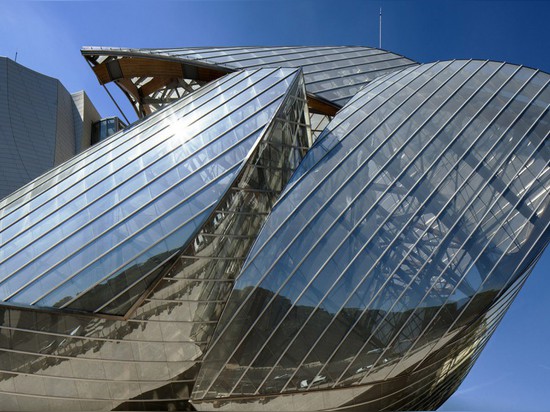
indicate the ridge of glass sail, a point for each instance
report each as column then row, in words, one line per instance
column 400, row 233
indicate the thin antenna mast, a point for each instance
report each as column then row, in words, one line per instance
column 380, row 30
column 15, row 56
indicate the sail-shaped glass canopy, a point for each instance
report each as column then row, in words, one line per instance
column 422, row 202
column 115, row 216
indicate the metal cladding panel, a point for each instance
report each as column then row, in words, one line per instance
column 396, row 247
column 110, row 218
column 28, row 117
column 333, row 73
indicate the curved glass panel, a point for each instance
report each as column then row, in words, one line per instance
column 99, row 233
column 417, row 209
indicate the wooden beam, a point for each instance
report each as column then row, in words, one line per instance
column 128, row 67
column 155, row 84
column 321, row 106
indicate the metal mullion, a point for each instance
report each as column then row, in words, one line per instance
column 252, row 55
column 282, row 63
column 241, row 165
column 489, row 152
column 411, row 249
column 330, row 172
column 403, row 259
column 416, row 399
column 228, row 50
column 490, row 273
column 97, row 148
column 483, row 282
column 250, row 190
column 53, row 212
column 118, row 54
column 284, row 169
column 194, row 322
column 174, row 278
column 333, row 76
column 247, row 50
column 402, row 229
column 139, row 321
column 140, row 279
column 324, row 90
column 72, row 398
column 317, row 54
column 216, row 257
column 211, row 161
column 94, row 149
column 419, row 337
column 291, row 121
column 486, row 333
column 334, row 222
column 149, row 273
column 222, row 52
column 456, row 343
column 124, row 241
column 228, row 236
column 336, row 121
column 347, row 59
column 180, row 301
column 127, row 197
column 389, row 395
column 241, row 213
column 420, row 179
column 426, row 294
column 43, row 274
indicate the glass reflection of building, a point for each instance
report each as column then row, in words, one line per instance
column 286, row 228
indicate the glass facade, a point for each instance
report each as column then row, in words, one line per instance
column 214, row 255
column 419, row 204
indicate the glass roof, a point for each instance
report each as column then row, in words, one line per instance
column 330, row 72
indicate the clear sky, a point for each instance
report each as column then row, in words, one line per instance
column 513, row 373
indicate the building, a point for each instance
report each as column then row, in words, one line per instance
column 286, row 228
column 42, row 124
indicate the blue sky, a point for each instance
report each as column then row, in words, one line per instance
column 513, row 373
